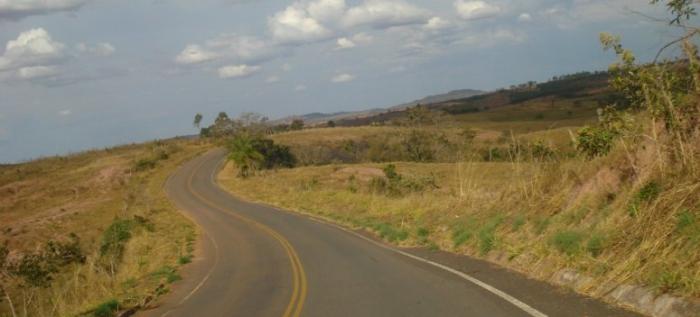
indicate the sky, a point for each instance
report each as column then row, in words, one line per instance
column 81, row 74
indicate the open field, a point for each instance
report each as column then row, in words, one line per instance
column 131, row 237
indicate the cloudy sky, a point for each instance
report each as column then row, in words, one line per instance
column 78, row 74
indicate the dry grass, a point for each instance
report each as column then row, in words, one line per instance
column 50, row 198
column 537, row 217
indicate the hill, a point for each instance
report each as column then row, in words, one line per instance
column 318, row 118
column 77, row 232
column 583, row 90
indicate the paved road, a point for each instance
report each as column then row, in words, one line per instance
column 256, row 260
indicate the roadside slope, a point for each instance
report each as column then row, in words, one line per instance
column 346, row 274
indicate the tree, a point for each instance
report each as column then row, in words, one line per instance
column 197, row 120
column 297, row 124
column 331, row 124
column 243, row 153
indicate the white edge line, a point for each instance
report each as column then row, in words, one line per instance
column 493, row 290
column 525, row 307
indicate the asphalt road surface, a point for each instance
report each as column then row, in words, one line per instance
column 257, row 260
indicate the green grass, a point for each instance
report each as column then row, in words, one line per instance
column 106, row 309
column 568, row 242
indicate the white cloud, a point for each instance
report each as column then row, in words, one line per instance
column 344, row 43
column 436, row 23
column 195, row 54
column 300, row 88
column 296, row 25
column 35, row 72
column 237, row 71
column 66, row 112
column 287, row 67
column 362, row 38
column 99, row 49
column 31, row 48
column 326, row 10
column 342, row 78
column 384, row 14
column 472, row 10
column 525, row 17
column 490, row 38
column 272, row 79
column 17, row 9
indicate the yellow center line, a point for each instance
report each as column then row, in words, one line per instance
column 296, row 302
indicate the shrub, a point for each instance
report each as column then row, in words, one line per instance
column 647, row 193
column 568, row 242
column 594, row 141
column 184, row 259
column 418, row 146
column 595, row 244
column 115, row 238
column 460, row 236
column 391, row 234
column 487, row 235
column 144, row 164
column 106, row 309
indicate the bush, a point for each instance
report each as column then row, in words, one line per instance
column 647, row 193
column 115, row 238
column 595, row 245
column 594, row 141
column 568, row 242
column 106, row 309
column 252, row 153
column 418, row 146
column 487, row 235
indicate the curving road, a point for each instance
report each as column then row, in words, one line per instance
column 257, row 260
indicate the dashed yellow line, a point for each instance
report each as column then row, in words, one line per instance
column 296, row 302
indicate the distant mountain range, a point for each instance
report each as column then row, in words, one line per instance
column 320, row 118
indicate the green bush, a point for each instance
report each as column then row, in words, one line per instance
column 461, row 236
column 647, row 193
column 115, row 238
column 568, row 242
column 595, row 141
column 595, row 245
column 106, row 309
column 487, row 235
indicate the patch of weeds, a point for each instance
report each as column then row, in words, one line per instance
column 687, row 224
column 422, row 233
column 646, row 194
column 595, row 244
column 184, row 259
column 518, row 222
column 144, row 164
column 665, row 280
column 460, row 236
column 541, row 224
column 115, row 237
column 168, row 273
column 432, row 246
column 487, row 235
column 391, row 234
column 106, row 309
column 568, row 242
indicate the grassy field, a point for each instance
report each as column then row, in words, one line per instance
column 623, row 218
column 132, row 238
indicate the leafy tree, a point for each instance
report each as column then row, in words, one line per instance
column 197, row 120
column 330, row 124
column 243, row 153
